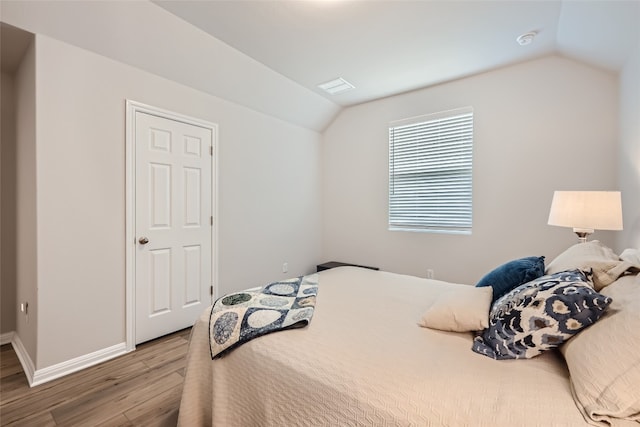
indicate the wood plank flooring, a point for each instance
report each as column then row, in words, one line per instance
column 141, row 388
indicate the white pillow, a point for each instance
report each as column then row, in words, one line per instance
column 632, row 256
column 604, row 359
column 593, row 255
column 461, row 308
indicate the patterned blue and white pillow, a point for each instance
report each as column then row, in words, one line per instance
column 540, row 315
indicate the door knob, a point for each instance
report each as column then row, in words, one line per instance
column 143, row 240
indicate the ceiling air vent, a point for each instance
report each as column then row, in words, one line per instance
column 336, row 86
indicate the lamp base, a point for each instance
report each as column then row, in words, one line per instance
column 583, row 233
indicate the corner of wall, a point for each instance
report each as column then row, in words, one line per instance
column 26, row 228
column 629, row 152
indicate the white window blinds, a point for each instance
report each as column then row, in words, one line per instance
column 430, row 172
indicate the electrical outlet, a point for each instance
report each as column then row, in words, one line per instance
column 430, row 273
column 285, row 267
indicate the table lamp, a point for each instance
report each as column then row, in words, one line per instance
column 586, row 211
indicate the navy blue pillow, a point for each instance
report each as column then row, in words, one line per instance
column 513, row 274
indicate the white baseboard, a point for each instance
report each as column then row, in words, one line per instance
column 41, row 376
column 27, row 364
column 70, row 366
column 6, row 338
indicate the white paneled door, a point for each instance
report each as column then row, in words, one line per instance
column 173, row 224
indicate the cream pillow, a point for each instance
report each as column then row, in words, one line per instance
column 604, row 359
column 462, row 308
column 605, row 264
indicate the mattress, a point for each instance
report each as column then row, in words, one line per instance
column 363, row 361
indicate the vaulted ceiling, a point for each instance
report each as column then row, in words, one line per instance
column 389, row 47
column 270, row 55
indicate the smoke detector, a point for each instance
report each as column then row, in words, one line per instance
column 336, row 86
column 526, row 38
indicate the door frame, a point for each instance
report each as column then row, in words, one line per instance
column 133, row 107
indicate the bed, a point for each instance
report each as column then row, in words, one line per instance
column 363, row 360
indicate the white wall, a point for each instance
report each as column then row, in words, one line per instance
column 26, row 203
column 545, row 125
column 629, row 158
column 8, row 211
column 268, row 177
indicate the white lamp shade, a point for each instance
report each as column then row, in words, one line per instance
column 596, row 210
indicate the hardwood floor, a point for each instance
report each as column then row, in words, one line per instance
column 141, row 388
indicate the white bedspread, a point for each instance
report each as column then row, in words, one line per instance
column 363, row 361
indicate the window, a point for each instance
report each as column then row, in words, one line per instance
column 430, row 171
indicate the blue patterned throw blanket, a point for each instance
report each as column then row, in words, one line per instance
column 239, row 317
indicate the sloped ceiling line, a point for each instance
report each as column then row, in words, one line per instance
column 271, row 55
